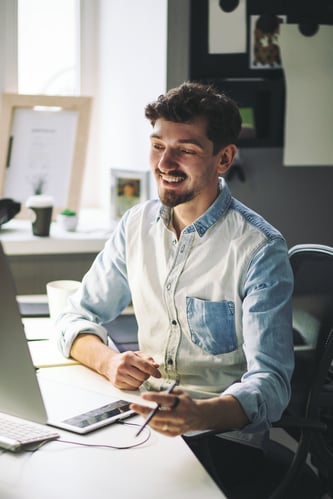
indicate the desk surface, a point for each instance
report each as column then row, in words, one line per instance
column 163, row 467
column 93, row 230
column 41, row 335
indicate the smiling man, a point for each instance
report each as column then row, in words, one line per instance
column 186, row 167
column 210, row 283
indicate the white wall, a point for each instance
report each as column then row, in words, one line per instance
column 8, row 46
column 132, row 65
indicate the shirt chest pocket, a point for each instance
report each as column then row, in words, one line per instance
column 212, row 325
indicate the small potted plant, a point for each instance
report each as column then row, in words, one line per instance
column 68, row 219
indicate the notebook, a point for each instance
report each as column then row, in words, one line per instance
column 20, row 391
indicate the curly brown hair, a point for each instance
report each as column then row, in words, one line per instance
column 191, row 100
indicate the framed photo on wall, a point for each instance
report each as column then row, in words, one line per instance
column 43, row 142
column 264, row 38
column 128, row 188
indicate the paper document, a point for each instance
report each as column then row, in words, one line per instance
column 308, row 68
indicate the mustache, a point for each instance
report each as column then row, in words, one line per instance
column 171, row 173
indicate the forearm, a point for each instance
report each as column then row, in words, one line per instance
column 126, row 370
column 92, row 352
column 222, row 414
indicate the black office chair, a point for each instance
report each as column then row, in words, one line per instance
column 309, row 416
column 123, row 331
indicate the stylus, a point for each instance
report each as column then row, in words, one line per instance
column 154, row 411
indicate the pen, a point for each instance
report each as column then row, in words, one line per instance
column 154, row 411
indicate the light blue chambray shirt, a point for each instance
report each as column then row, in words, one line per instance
column 213, row 307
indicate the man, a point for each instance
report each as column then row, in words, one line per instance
column 209, row 281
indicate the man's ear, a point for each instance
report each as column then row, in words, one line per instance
column 226, row 157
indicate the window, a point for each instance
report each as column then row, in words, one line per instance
column 48, row 47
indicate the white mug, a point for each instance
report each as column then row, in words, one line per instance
column 57, row 295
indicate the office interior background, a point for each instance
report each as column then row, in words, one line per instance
column 124, row 53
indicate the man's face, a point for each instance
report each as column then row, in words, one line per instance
column 182, row 160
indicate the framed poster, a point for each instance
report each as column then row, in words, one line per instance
column 128, row 188
column 43, row 141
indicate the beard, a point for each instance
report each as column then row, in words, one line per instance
column 169, row 197
column 172, row 199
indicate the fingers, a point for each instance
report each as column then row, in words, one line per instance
column 176, row 403
column 165, row 400
column 146, row 364
column 148, row 358
column 177, row 415
column 165, row 420
column 130, row 369
column 168, row 403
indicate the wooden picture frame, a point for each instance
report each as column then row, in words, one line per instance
column 128, row 188
column 43, row 144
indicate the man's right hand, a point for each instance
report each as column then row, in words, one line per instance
column 127, row 370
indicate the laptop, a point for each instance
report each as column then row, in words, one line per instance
column 21, row 397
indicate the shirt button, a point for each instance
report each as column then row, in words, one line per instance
column 168, row 286
column 170, row 362
column 174, row 323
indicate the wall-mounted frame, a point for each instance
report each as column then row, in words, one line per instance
column 261, row 102
column 128, row 188
column 258, row 90
column 43, row 143
column 203, row 64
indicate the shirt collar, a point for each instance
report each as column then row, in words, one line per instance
column 207, row 219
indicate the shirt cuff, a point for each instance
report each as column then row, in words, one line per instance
column 253, row 405
column 66, row 338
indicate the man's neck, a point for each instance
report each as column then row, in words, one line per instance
column 185, row 214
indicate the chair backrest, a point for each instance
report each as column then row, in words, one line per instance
column 313, row 302
column 312, row 265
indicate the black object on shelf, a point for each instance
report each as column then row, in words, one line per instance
column 8, row 209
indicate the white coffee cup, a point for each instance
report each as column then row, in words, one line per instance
column 57, row 295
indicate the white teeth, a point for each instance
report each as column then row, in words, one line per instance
column 172, row 179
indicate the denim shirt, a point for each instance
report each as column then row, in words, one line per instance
column 213, row 307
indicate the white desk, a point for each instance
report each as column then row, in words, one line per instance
column 63, row 255
column 162, row 468
column 41, row 335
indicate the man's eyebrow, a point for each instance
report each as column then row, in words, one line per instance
column 180, row 141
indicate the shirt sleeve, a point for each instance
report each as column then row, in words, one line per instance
column 103, row 295
column 264, row 390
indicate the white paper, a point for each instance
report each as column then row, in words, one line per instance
column 227, row 30
column 308, row 67
column 42, row 154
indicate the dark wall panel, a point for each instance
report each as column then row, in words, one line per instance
column 297, row 200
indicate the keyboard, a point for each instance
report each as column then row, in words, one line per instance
column 15, row 433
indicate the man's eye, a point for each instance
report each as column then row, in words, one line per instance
column 158, row 147
column 187, row 151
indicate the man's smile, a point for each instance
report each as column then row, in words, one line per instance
column 171, row 179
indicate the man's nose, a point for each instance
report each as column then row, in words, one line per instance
column 167, row 160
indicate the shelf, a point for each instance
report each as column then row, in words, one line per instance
column 92, row 232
